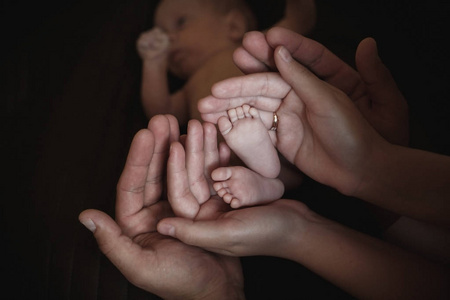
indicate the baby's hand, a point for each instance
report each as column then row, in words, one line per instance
column 153, row 44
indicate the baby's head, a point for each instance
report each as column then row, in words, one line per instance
column 225, row 7
column 198, row 29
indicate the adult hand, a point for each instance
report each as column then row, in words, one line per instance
column 347, row 258
column 245, row 232
column 372, row 88
column 197, row 206
column 359, row 264
column 189, row 168
column 320, row 130
column 156, row 263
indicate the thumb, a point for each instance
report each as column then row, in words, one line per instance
column 116, row 246
column 211, row 235
column 315, row 93
column 375, row 74
column 385, row 97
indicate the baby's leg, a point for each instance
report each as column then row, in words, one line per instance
column 247, row 136
column 240, row 186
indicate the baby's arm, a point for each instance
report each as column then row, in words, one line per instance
column 153, row 48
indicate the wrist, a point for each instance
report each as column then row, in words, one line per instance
column 301, row 222
column 154, row 63
column 309, row 244
column 221, row 293
column 226, row 292
column 377, row 171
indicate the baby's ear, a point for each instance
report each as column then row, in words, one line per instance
column 237, row 25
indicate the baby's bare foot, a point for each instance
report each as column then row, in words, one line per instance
column 240, row 186
column 247, row 136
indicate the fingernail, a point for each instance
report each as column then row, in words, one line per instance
column 166, row 229
column 284, row 54
column 89, row 224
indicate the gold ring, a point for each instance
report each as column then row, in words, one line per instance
column 274, row 122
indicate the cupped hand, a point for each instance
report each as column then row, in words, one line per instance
column 371, row 87
column 273, row 229
column 320, row 130
column 154, row 262
column 204, row 220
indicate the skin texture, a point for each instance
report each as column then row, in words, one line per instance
column 180, row 43
column 151, row 261
column 240, row 186
column 358, row 160
column 246, row 135
column 363, row 266
column 370, row 87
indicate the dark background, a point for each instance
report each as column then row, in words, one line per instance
column 70, row 107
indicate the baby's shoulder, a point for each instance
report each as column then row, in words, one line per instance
column 218, row 67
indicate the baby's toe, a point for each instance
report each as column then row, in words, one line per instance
column 221, row 174
column 225, row 125
column 235, row 203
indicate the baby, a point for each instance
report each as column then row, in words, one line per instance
column 195, row 40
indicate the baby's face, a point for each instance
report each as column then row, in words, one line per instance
column 196, row 32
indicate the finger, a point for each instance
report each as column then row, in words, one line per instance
column 174, row 128
column 256, row 44
column 183, row 203
column 263, row 91
column 247, row 63
column 212, row 235
column 195, row 162
column 267, row 85
column 255, row 55
column 212, row 108
column 211, row 150
column 322, row 62
column 133, row 180
column 160, row 126
column 224, row 155
column 119, row 248
column 266, row 118
column 183, row 140
column 384, row 100
column 132, row 214
column 376, row 75
column 213, row 117
column 315, row 93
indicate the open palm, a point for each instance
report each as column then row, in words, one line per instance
column 156, row 263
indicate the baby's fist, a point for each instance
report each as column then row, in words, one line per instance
column 153, row 44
